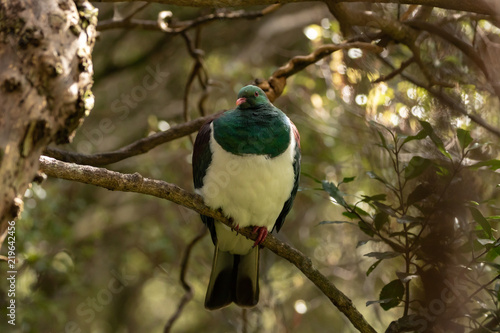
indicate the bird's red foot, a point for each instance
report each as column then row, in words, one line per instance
column 262, row 234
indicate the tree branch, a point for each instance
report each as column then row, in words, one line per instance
column 475, row 6
column 182, row 26
column 460, row 44
column 448, row 101
column 138, row 147
column 394, row 73
column 116, row 181
column 275, row 85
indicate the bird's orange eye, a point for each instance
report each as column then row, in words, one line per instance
column 256, row 94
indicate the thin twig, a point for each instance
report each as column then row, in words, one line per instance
column 184, row 25
column 188, row 295
column 393, row 74
column 275, row 85
column 116, row 181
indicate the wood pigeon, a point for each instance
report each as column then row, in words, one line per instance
column 247, row 163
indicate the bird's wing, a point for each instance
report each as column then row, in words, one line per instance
column 296, row 170
column 202, row 157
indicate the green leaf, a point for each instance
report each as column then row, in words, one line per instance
column 405, row 277
column 409, row 219
column 381, row 301
column 383, row 255
column 491, row 164
column 420, row 192
column 350, row 215
column 442, row 171
column 380, row 219
column 464, row 138
column 386, row 209
column 362, row 242
column 485, row 241
column 434, row 138
column 334, row 192
column 419, row 136
column 347, row 180
column 366, row 228
column 479, row 218
column 373, row 266
column 373, row 175
column 393, row 291
column 382, row 139
column 336, row 222
column 360, row 211
column 416, row 167
column 377, row 197
column 492, row 264
column 493, row 253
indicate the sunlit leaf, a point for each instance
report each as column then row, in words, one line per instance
column 434, row 138
column 485, row 241
column 334, row 192
column 336, row 222
column 366, row 228
column 419, row 136
column 350, row 215
column 479, row 218
column 416, row 167
column 409, row 219
column 384, row 208
column 383, row 255
column 442, row 171
column 377, row 197
column 405, row 277
column 362, row 242
column 491, row 164
column 373, row 266
column 380, row 301
column 380, row 219
column 464, row 138
column 347, row 180
column 492, row 264
column 373, row 175
column 361, row 211
column 394, row 291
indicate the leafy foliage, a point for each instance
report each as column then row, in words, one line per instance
column 423, row 221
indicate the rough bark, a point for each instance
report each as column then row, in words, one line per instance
column 45, row 80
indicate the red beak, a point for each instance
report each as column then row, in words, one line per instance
column 241, row 100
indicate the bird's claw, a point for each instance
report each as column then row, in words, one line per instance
column 234, row 227
column 261, row 235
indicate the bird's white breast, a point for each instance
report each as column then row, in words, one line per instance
column 251, row 189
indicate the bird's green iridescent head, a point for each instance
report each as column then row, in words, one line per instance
column 250, row 97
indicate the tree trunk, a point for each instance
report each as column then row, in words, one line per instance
column 45, row 86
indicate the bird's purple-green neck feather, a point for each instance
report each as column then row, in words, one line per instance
column 259, row 130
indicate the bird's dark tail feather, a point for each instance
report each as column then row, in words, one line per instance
column 234, row 278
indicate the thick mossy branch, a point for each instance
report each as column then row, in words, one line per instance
column 117, row 181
